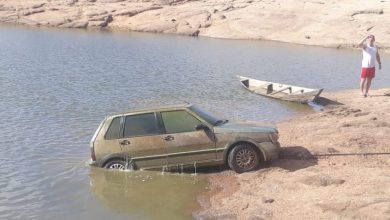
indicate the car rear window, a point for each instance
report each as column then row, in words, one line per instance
column 179, row 121
column 114, row 129
column 142, row 124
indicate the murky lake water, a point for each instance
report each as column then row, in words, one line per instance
column 56, row 86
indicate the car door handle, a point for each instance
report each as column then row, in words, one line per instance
column 169, row 138
column 124, row 142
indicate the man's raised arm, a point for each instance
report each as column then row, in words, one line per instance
column 362, row 42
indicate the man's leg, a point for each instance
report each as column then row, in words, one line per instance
column 368, row 85
column 362, row 84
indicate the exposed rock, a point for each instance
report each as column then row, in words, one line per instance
column 245, row 206
column 100, row 21
column 94, row 13
column 372, row 11
column 26, row 21
column 170, row 2
column 59, row 22
column 38, row 5
column 188, row 30
column 162, row 27
column 136, row 11
column 105, row 17
column 43, row 23
column 108, row 18
column 71, row 2
column 227, row 8
column 75, row 24
column 221, row 17
column 205, row 24
column 11, row 18
column 286, row 21
column 315, row 2
column 7, row 8
column 126, row 12
column 267, row 200
column 97, row 24
column 368, row 29
column 32, row 11
column 110, row 1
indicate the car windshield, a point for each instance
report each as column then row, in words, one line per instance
column 209, row 118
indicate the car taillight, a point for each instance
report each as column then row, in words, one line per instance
column 93, row 156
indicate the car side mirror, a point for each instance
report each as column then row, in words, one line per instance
column 201, row 127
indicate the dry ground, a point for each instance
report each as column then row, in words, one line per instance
column 302, row 185
column 340, row 23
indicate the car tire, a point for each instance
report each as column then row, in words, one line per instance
column 243, row 158
column 116, row 164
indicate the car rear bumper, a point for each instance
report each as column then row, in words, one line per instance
column 94, row 163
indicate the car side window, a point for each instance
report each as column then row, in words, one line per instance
column 179, row 121
column 114, row 129
column 142, row 124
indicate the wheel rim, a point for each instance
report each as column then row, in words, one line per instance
column 246, row 159
column 117, row 166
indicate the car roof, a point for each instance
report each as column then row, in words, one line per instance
column 155, row 108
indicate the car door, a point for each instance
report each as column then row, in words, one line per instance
column 185, row 144
column 143, row 140
column 107, row 145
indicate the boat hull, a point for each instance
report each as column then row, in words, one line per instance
column 280, row 91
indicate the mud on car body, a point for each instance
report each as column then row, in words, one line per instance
column 180, row 135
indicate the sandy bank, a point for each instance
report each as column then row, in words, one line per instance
column 302, row 186
column 339, row 24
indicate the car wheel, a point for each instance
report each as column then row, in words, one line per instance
column 116, row 165
column 243, row 158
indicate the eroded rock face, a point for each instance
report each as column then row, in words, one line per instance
column 75, row 24
column 294, row 21
column 32, row 11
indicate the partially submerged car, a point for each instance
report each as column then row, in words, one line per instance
column 180, row 135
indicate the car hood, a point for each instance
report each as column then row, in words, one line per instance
column 244, row 128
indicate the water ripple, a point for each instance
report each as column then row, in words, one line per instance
column 56, row 87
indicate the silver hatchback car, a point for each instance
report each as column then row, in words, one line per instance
column 181, row 135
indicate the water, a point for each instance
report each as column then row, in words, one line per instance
column 168, row 196
column 57, row 85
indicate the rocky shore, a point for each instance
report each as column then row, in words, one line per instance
column 338, row 24
column 334, row 165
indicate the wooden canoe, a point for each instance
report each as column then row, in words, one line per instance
column 280, row 91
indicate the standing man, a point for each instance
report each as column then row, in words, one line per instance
column 370, row 55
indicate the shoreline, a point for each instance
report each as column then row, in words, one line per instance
column 301, row 185
column 340, row 24
column 109, row 31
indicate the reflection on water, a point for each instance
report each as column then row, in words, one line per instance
column 147, row 194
